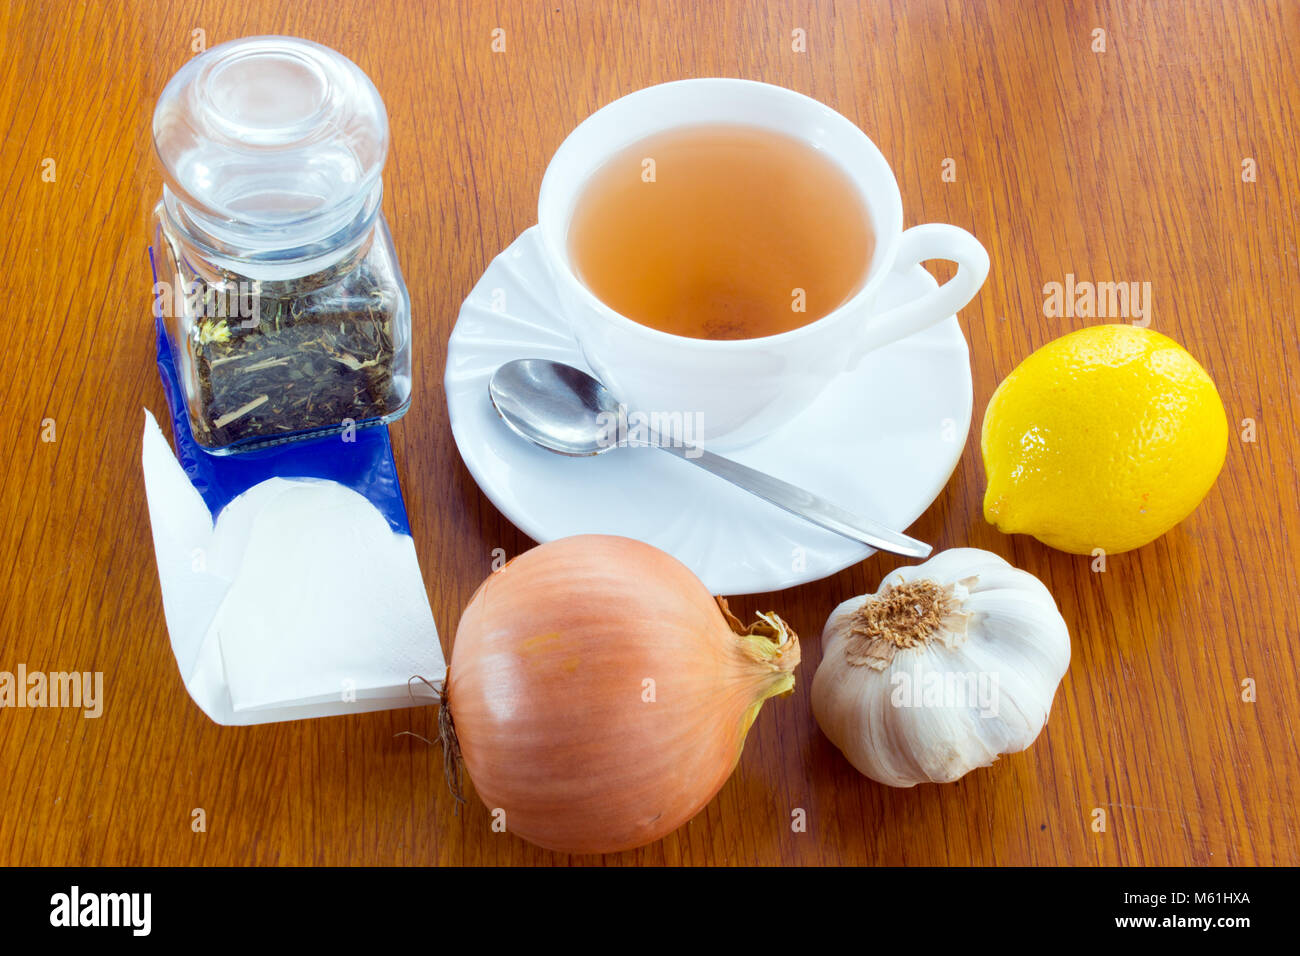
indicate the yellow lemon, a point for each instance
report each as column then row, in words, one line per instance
column 1104, row 438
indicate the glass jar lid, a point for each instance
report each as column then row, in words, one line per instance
column 272, row 149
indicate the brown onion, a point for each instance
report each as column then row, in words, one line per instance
column 601, row 695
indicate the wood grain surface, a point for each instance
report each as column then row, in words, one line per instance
column 1122, row 165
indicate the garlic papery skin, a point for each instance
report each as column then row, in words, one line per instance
column 948, row 665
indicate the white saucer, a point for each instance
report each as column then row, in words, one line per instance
column 881, row 441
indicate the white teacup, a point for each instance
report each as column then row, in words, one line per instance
column 739, row 390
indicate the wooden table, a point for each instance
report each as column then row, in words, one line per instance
column 1121, row 165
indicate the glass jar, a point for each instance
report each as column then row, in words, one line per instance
column 277, row 279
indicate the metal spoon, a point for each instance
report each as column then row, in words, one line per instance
column 565, row 410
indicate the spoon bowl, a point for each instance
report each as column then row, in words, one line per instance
column 556, row 406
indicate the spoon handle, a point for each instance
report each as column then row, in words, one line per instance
column 802, row 503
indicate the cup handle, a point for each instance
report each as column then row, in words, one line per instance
column 916, row 245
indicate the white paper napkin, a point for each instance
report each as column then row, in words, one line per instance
column 300, row 602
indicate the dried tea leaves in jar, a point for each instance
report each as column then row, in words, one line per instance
column 304, row 360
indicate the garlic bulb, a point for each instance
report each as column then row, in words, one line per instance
column 948, row 665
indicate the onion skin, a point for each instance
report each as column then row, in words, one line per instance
column 546, row 690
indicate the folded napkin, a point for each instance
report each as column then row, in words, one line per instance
column 300, row 600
